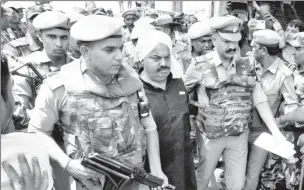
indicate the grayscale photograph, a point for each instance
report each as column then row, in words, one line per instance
column 152, row 95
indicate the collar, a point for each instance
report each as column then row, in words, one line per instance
column 218, row 61
column 32, row 44
column 169, row 79
column 274, row 66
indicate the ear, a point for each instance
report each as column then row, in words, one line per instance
column 39, row 35
column 264, row 49
column 213, row 38
column 85, row 51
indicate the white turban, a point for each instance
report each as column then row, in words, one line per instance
column 149, row 40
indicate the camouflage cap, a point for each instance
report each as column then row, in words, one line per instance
column 34, row 10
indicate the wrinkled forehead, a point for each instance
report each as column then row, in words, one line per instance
column 160, row 50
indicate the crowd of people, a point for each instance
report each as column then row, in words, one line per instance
column 178, row 97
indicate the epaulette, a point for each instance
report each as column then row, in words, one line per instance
column 19, row 42
column 199, row 59
column 284, row 69
column 54, row 81
column 209, row 57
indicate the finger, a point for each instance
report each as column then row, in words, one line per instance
column 26, row 172
column 36, row 173
column 45, row 180
column 12, row 175
column 302, row 150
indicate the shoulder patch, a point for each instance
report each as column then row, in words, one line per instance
column 19, row 42
column 284, row 69
column 54, row 81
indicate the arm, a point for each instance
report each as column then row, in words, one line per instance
column 192, row 76
column 261, row 103
column 290, row 96
column 294, row 116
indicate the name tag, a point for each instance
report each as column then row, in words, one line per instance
column 182, row 93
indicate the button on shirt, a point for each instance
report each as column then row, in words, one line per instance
column 276, row 85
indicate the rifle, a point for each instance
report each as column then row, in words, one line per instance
column 118, row 174
column 31, row 66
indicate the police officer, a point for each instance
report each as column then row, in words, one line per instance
column 16, row 29
column 180, row 50
column 28, row 44
column 128, row 50
column 53, row 28
column 99, row 92
column 130, row 17
column 278, row 85
column 151, row 13
column 214, row 78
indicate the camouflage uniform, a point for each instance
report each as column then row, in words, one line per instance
column 4, row 38
column 182, row 54
column 21, row 47
column 15, row 33
column 95, row 118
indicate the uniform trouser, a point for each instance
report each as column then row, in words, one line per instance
column 234, row 150
column 256, row 161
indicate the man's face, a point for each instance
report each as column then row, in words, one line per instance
column 14, row 18
column 106, row 56
column 225, row 48
column 130, row 20
column 202, row 44
column 157, row 64
column 289, row 32
column 31, row 29
column 21, row 14
column 55, row 41
column 299, row 56
column 4, row 22
column 257, row 52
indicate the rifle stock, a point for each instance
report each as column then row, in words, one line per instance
column 114, row 169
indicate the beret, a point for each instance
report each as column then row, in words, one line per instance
column 13, row 4
column 298, row 40
column 96, row 27
column 227, row 27
column 165, row 20
column 130, row 12
column 140, row 29
column 266, row 37
column 34, row 10
column 145, row 20
column 199, row 29
column 6, row 11
column 51, row 19
column 150, row 12
column 74, row 17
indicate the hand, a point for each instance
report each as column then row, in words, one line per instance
column 255, row 5
column 269, row 16
column 279, row 136
column 77, row 170
column 165, row 185
column 28, row 180
column 300, row 143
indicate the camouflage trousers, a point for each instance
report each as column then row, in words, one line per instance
column 277, row 173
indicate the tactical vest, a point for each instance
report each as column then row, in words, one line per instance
column 105, row 121
column 229, row 112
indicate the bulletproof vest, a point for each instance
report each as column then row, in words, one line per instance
column 229, row 112
column 105, row 120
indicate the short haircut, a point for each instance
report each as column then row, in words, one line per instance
column 5, row 76
column 273, row 51
column 297, row 24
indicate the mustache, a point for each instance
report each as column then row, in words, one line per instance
column 231, row 50
column 163, row 68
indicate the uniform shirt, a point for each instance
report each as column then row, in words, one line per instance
column 18, row 32
column 288, row 54
column 129, row 54
column 24, row 86
column 197, row 74
column 4, row 38
column 50, row 103
column 182, row 54
column 21, row 47
column 277, row 83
